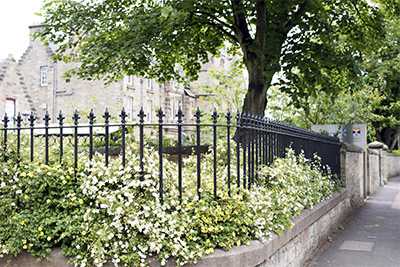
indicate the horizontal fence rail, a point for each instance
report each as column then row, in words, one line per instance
column 259, row 141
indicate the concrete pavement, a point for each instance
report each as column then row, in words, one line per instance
column 371, row 237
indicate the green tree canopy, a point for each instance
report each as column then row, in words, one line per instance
column 311, row 41
column 349, row 106
column 382, row 71
column 230, row 88
column 374, row 99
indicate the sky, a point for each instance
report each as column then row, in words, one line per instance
column 15, row 18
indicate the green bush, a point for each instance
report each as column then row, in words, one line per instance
column 98, row 213
column 395, row 151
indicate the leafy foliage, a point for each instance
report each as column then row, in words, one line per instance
column 382, row 72
column 230, row 89
column 313, row 42
column 372, row 100
column 97, row 213
column 349, row 106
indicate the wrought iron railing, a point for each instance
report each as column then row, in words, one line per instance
column 260, row 141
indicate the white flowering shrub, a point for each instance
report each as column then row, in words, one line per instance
column 98, row 214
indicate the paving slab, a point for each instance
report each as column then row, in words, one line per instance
column 357, row 246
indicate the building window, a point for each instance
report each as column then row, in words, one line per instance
column 43, row 76
column 149, row 85
column 131, row 80
column 149, row 110
column 130, row 108
column 10, row 109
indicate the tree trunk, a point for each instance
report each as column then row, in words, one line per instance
column 395, row 140
column 383, row 135
column 255, row 100
column 398, row 142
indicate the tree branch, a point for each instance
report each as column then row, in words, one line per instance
column 220, row 28
column 297, row 16
column 224, row 24
column 240, row 25
column 224, row 31
column 359, row 14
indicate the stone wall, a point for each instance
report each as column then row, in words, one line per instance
column 393, row 165
column 382, row 166
column 353, row 172
column 84, row 95
column 373, row 181
column 13, row 86
column 303, row 247
column 363, row 172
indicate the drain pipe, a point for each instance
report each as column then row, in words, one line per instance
column 54, row 91
column 380, row 168
column 141, row 91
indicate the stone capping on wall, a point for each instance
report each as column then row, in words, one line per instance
column 377, row 145
column 244, row 256
column 350, row 147
column 373, row 151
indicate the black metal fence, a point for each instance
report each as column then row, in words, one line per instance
column 260, row 141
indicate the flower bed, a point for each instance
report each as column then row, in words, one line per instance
column 97, row 213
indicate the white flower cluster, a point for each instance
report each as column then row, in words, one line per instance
column 135, row 223
column 3, row 251
column 295, row 183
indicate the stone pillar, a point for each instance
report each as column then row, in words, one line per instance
column 352, row 173
column 380, row 149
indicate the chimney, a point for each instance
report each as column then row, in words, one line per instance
column 10, row 58
column 32, row 30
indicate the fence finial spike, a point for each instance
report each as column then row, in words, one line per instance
column 76, row 117
column 198, row 115
column 32, row 119
column 141, row 115
column 46, row 118
column 19, row 119
column 91, row 117
column 215, row 116
column 228, row 116
column 106, row 116
column 180, row 115
column 60, row 118
column 238, row 117
column 5, row 120
column 160, row 115
column 123, row 115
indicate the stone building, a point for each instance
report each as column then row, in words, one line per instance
column 14, row 93
column 35, row 84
